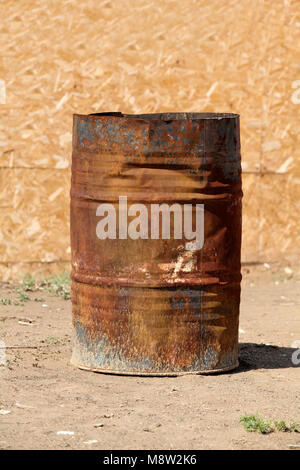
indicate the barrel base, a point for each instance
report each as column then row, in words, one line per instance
column 154, row 374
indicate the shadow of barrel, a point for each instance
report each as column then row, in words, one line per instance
column 265, row 356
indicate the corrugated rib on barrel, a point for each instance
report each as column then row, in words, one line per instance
column 149, row 306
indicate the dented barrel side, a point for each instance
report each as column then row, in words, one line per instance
column 151, row 306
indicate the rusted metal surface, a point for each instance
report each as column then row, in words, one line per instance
column 150, row 306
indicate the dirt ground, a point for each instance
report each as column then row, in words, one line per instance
column 44, row 394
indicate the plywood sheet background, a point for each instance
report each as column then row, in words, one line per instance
column 61, row 57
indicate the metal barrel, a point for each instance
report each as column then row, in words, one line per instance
column 156, row 290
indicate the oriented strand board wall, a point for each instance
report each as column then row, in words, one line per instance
column 60, row 57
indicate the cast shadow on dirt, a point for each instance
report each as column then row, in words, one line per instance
column 263, row 356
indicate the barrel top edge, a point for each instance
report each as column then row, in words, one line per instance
column 193, row 116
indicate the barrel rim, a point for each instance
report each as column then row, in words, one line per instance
column 137, row 373
column 181, row 116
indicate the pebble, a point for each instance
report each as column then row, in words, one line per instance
column 92, row 441
column 19, row 405
column 65, row 433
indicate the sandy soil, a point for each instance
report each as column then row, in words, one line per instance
column 45, row 394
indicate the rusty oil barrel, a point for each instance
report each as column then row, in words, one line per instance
column 153, row 303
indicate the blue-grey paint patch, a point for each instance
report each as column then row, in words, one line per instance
column 207, row 360
column 100, row 354
column 177, row 137
column 85, row 132
column 188, row 298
